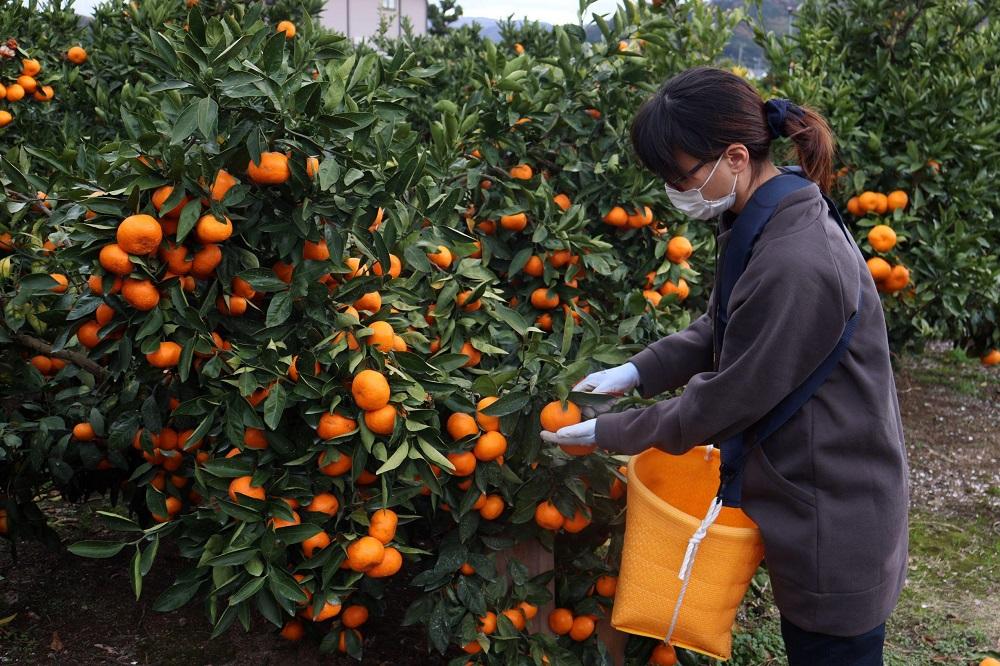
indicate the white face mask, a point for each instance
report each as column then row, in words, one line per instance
column 693, row 204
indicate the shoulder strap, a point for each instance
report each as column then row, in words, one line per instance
column 735, row 450
column 745, row 231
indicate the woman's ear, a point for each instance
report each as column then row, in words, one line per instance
column 738, row 157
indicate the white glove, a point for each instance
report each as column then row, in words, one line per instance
column 618, row 380
column 584, row 432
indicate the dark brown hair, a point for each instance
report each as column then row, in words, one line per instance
column 703, row 110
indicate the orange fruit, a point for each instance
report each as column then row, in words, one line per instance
column 472, row 647
column 293, row 630
column 312, row 166
column 5, row 117
column 561, row 621
column 334, row 425
column 391, row 563
column 370, row 390
column 663, row 655
column 364, row 553
column 271, row 170
column 140, row 294
column 254, row 438
column 237, row 305
column 210, row 229
column 84, row 432
column 242, row 485
column 381, row 421
column 318, row 541
column 395, row 267
column 518, row 48
column 87, row 334
column 897, row 199
column 464, row 463
column 680, row 288
column 324, row 503
column 15, row 93
column 882, row 238
column 30, row 67
column 534, row 266
column 338, row 467
column 242, row 288
column 329, row 610
column 606, row 585
column 472, row 353
column 490, row 446
column 543, row 299
column 44, row 94
column 381, row 336
column 492, row 507
column 530, row 610
column 167, row 355
column 854, row 207
column 640, row 218
column 898, row 278
column 547, row 516
column 515, row 222
column 442, row 258
column 616, row 217
column 991, row 358
column 521, row 172
column 653, row 297
column 42, row 363
column 467, row 569
column 577, row 523
column 354, row 616
column 283, row 271
column 62, row 282
column 205, row 261
column 76, row 55
column 382, row 525
column 562, row 201
column 222, row 183
column 369, row 302
column 316, row 250
column 487, row 623
column 881, row 204
column 463, row 301
column 460, row 426
column 286, row 27
column 583, row 627
column 678, row 249
column 879, row 268
column 516, row 617
column 554, row 416
column 278, row 523
column 868, row 201
column 485, row 421
column 27, row 82
column 115, row 260
column 176, row 258
column 160, row 197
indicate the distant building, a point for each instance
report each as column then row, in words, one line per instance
column 360, row 18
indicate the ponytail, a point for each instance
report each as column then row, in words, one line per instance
column 814, row 145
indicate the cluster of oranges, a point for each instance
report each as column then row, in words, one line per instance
column 882, row 238
column 518, row 615
column 25, row 84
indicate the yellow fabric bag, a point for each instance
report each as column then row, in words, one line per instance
column 668, row 497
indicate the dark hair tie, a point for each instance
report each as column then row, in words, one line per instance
column 777, row 110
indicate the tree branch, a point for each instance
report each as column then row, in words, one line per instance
column 42, row 347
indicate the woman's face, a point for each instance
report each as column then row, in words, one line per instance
column 699, row 174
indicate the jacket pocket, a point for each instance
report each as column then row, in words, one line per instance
column 787, row 518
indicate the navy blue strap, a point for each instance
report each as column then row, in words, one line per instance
column 746, row 230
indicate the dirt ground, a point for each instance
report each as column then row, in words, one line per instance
column 62, row 609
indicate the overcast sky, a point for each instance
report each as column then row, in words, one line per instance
column 550, row 11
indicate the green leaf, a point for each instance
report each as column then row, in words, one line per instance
column 248, row 590
column 507, row 404
column 235, row 556
column 395, row 460
column 297, row 533
column 120, row 523
column 208, row 115
column 184, row 126
column 96, row 549
column 280, row 309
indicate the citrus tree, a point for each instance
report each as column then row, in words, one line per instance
column 902, row 87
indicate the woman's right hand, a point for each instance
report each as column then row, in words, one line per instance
column 618, row 380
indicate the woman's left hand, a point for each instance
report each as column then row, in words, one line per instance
column 583, row 433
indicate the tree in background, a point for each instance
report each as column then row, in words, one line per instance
column 441, row 16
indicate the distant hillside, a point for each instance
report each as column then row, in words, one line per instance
column 777, row 16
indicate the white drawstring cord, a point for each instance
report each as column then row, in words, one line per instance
column 688, row 564
column 708, row 451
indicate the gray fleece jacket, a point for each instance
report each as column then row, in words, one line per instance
column 829, row 489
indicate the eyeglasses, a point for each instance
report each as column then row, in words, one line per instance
column 676, row 183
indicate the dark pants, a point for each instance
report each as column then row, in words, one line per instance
column 808, row 648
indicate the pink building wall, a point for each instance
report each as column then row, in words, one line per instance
column 360, row 18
